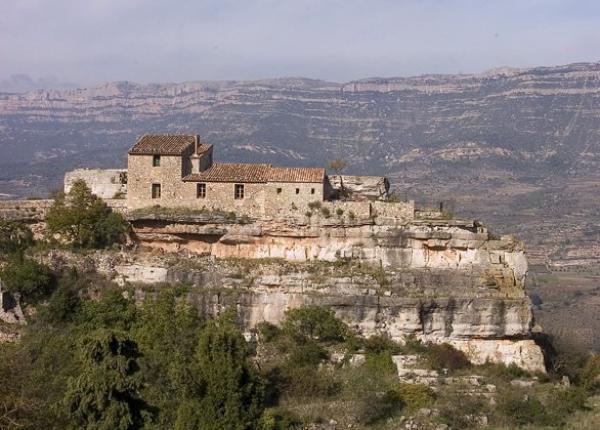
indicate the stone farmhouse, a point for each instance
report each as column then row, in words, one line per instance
column 178, row 171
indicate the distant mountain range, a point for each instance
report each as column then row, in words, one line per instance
column 518, row 147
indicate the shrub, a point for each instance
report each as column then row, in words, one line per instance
column 462, row 412
column 413, row 345
column 415, row 396
column 268, row 332
column 14, row 237
column 378, row 344
column 377, row 407
column 307, row 382
column 502, row 371
column 339, row 212
column 32, row 280
column 325, row 212
column 381, row 363
column 521, row 409
column 65, row 303
column 307, row 354
column 278, row 419
column 351, row 215
column 314, row 322
column 589, row 377
column 314, row 205
column 445, row 356
column 83, row 220
column 308, row 214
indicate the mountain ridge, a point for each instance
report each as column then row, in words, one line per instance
column 517, row 148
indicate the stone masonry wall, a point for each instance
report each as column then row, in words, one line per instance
column 105, row 183
column 35, row 210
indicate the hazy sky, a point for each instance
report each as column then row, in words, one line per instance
column 92, row 41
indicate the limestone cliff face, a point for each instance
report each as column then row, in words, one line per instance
column 440, row 280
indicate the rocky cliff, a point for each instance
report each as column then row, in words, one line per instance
column 439, row 280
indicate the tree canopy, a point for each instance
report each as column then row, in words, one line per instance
column 83, row 220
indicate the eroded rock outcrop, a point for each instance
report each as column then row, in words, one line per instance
column 439, row 280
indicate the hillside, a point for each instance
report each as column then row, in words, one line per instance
column 516, row 148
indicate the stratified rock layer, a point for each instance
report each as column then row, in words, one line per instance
column 440, row 280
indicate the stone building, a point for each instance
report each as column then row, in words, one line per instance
column 178, row 171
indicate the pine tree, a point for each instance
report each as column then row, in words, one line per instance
column 105, row 394
column 231, row 393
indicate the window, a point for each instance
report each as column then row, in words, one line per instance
column 238, row 191
column 312, row 190
column 200, row 191
column 279, row 190
column 297, row 190
column 155, row 160
column 156, row 191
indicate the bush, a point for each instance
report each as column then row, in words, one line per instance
column 339, row 212
column 377, row 407
column 314, row 322
column 314, row 205
column 14, row 237
column 377, row 344
column 351, row 215
column 381, row 363
column 462, row 412
column 445, row 356
column 278, row 419
column 65, row 303
column 521, row 409
column 83, row 220
column 499, row 370
column 32, row 280
column 268, row 332
column 589, row 377
column 307, row 354
column 307, row 382
column 325, row 212
column 415, row 396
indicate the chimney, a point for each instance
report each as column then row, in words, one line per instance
column 196, row 144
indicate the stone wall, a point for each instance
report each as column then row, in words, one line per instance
column 142, row 174
column 35, row 210
column 24, row 210
column 105, row 183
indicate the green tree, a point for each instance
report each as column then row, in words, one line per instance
column 315, row 323
column 32, row 280
column 84, row 220
column 166, row 331
column 65, row 303
column 105, row 395
column 14, row 237
column 230, row 393
column 112, row 311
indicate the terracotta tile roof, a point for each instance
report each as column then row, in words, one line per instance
column 163, row 144
column 203, row 147
column 296, row 174
column 232, row 172
column 257, row 173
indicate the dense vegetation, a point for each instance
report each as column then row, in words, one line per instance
column 110, row 363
